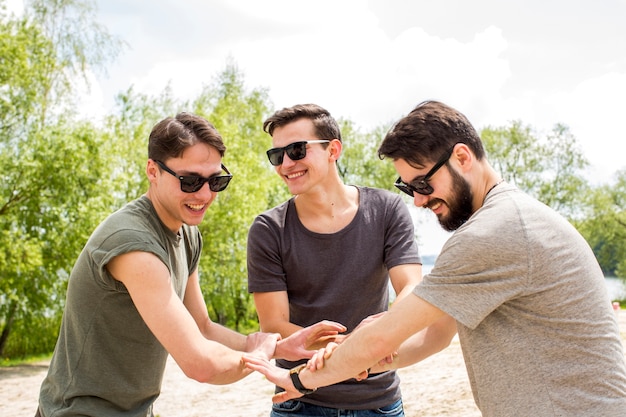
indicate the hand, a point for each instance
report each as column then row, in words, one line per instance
column 274, row 374
column 384, row 364
column 319, row 358
column 262, row 345
column 369, row 319
column 298, row 345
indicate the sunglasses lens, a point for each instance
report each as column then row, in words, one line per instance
column 424, row 190
column 296, row 151
column 217, row 184
column 191, row 183
column 421, row 187
column 404, row 189
column 276, row 156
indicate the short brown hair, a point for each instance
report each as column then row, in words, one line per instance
column 171, row 136
column 326, row 126
column 427, row 133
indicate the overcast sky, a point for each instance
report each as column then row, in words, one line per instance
column 539, row 61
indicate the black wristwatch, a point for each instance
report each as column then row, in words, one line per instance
column 295, row 378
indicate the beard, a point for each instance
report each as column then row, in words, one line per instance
column 459, row 205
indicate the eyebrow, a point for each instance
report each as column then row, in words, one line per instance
column 186, row 173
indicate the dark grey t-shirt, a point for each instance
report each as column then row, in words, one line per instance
column 106, row 361
column 340, row 276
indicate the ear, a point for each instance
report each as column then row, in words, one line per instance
column 335, row 147
column 463, row 157
column 151, row 170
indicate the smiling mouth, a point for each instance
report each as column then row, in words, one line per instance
column 196, row 207
column 295, row 175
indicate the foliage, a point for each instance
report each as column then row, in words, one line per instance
column 359, row 163
column 238, row 115
column 60, row 176
column 604, row 225
column 53, row 170
column 551, row 168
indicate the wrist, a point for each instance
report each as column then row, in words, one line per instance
column 294, row 374
column 277, row 349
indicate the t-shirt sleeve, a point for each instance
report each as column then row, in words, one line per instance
column 481, row 266
column 265, row 270
column 123, row 241
column 400, row 244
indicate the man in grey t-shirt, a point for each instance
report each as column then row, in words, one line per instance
column 535, row 323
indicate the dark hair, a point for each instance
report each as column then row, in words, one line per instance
column 326, row 126
column 171, row 136
column 428, row 132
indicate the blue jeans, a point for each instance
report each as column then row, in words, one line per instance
column 294, row 408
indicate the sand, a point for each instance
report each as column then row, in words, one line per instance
column 435, row 387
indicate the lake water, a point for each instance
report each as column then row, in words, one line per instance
column 616, row 288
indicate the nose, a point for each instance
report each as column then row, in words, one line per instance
column 287, row 161
column 206, row 193
column 419, row 200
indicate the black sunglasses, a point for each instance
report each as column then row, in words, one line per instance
column 420, row 185
column 295, row 151
column 193, row 183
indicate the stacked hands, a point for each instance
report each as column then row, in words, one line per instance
column 316, row 343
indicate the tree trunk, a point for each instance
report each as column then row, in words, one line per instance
column 4, row 336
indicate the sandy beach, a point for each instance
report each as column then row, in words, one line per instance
column 435, row 387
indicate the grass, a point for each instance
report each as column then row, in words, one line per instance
column 7, row 362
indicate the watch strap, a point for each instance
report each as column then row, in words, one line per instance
column 294, row 373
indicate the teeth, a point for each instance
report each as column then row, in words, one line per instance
column 196, row 207
column 295, row 175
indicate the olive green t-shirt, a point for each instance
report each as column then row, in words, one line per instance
column 107, row 362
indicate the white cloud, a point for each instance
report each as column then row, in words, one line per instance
column 372, row 62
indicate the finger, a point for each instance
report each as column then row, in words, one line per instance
column 332, row 325
column 285, row 396
column 330, row 348
column 362, row 376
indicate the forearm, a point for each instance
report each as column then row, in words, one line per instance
column 423, row 344
column 224, row 336
column 213, row 363
column 375, row 341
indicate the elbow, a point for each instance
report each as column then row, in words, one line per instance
column 198, row 373
column 447, row 331
column 199, row 370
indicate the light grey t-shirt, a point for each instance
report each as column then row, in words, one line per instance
column 107, row 362
column 535, row 322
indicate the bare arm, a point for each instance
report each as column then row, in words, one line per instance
column 404, row 278
column 179, row 329
column 421, row 345
column 194, row 302
column 361, row 350
column 273, row 311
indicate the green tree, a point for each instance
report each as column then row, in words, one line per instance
column 52, row 168
column 359, row 163
column 238, row 115
column 550, row 169
column 604, row 225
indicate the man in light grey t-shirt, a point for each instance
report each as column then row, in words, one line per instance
column 534, row 319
